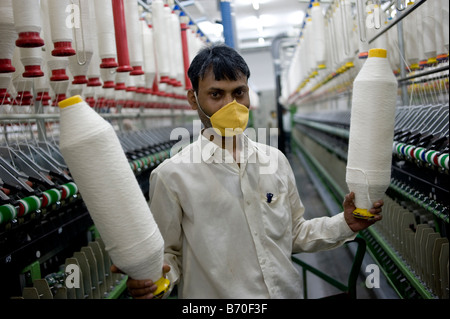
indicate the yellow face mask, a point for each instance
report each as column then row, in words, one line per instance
column 230, row 120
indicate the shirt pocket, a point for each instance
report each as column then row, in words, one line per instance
column 276, row 215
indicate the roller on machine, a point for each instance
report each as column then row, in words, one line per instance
column 111, row 192
column 372, row 119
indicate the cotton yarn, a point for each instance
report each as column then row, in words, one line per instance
column 110, row 190
column 429, row 34
column 80, row 62
column 134, row 36
column 28, row 23
column 105, row 33
column 371, row 130
column 61, row 32
column 149, row 54
column 319, row 35
column 9, row 35
column 410, row 38
column 161, row 44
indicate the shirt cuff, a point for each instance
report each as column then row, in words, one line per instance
column 343, row 229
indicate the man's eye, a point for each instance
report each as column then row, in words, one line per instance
column 215, row 94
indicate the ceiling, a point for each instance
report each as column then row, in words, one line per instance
column 254, row 27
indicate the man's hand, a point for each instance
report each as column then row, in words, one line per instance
column 357, row 224
column 141, row 289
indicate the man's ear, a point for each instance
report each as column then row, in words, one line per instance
column 191, row 99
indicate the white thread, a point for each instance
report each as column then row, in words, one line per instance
column 318, row 21
column 445, row 22
column 7, row 30
column 79, row 63
column 371, row 132
column 149, row 54
column 161, row 38
column 27, row 17
column 410, row 38
column 61, row 32
column 109, row 188
column 439, row 31
column 94, row 66
column 134, row 33
column 178, row 49
column 419, row 32
column 31, row 56
column 105, row 29
column 428, row 35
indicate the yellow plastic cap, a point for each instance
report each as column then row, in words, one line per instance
column 163, row 285
column 70, row 101
column 363, row 213
column 316, row 4
column 377, row 53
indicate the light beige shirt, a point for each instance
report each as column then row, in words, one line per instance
column 223, row 237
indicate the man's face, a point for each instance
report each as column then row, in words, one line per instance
column 213, row 95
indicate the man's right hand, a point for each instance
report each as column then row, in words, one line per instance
column 141, row 289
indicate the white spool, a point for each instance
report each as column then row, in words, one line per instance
column 319, row 35
column 178, row 49
column 110, row 191
column 105, row 33
column 160, row 33
column 134, row 36
column 80, row 62
column 410, row 39
column 5, row 82
column 61, row 27
column 32, row 60
column 444, row 4
column 371, row 130
column 428, row 35
column 28, row 23
column 439, row 31
column 149, row 54
column 8, row 36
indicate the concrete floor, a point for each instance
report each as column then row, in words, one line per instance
column 337, row 262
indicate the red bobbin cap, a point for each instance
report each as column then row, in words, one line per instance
column 6, row 66
column 23, row 98
column 120, row 86
column 32, row 71
column 109, row 85
column 94, row 82
column 4, row 97
column 108, row 63
column 137, row 70
column 29, row 40
column 165, row 79
column 80, row 79
column 59, row 98
column 63, row 49
column 43, row 96
column 59, row 75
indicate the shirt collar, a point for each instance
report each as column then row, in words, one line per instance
column 210, row 149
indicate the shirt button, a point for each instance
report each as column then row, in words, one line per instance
column 248, row 202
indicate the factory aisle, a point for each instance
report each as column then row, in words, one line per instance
column 337, row 262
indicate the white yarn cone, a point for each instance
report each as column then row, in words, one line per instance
column 371, row 132
column 110, row 191
column 7, row 38
column 28, row 23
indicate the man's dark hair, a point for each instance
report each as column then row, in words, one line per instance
column 226, row 63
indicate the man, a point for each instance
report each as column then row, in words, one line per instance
column 228, row 207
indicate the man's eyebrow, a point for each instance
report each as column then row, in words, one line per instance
column 241, row 87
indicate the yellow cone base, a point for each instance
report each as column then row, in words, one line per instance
column 363, row 214
column 163, row 285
